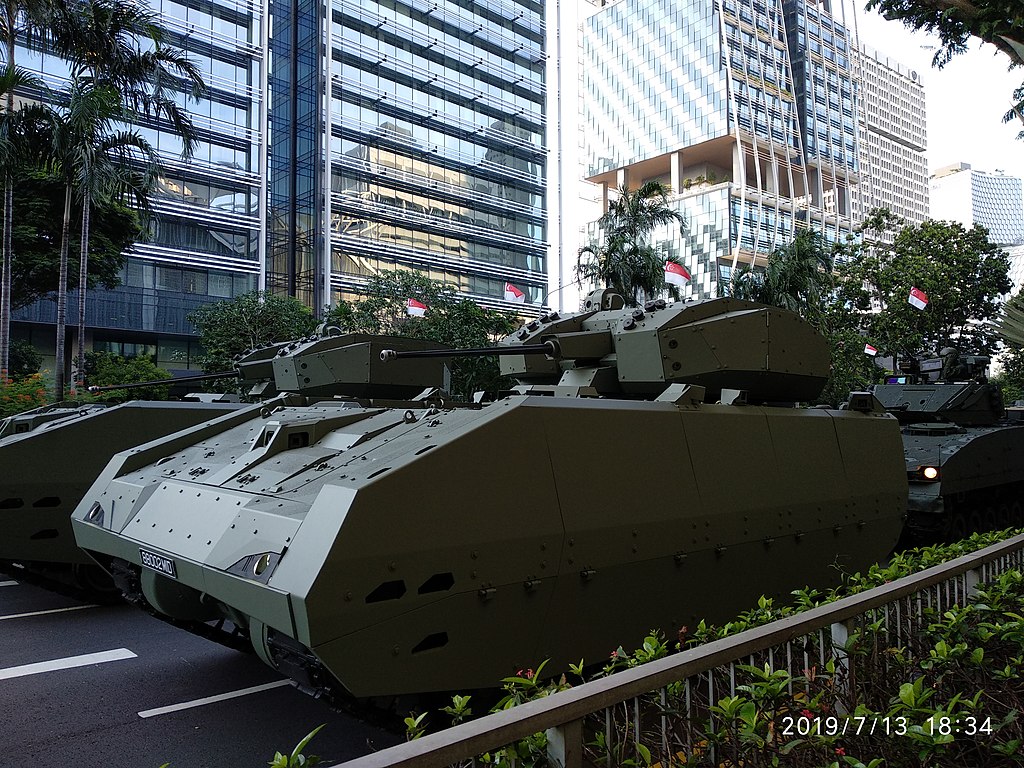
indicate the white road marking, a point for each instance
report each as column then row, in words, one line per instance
column 213, row 699
column 8, row 583
column 70, row 662
column 44, row 613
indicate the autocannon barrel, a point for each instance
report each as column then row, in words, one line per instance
column 159, row 382
column 547, row 348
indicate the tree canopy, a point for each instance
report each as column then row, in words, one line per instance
column 857, row 293
column 233, row 326
column 960, row 270
column 798, row 276
column 38, row 210
column 107, row 369
column 625, row 260
column 448, row 319
column 955, row 22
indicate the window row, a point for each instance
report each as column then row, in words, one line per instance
column 347, row 224
column 207, row 282
column 367, row 266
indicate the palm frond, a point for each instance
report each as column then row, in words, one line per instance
column 1009, row 324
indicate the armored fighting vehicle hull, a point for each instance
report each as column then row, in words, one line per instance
column 50, row 458
column 964, row 458
column 372, row 549
column 980, row 484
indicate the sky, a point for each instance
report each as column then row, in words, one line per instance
column 965, row 100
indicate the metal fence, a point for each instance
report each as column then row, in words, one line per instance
column 697, row 678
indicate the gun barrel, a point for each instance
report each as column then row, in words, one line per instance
column 158, row 382
column 547, row 348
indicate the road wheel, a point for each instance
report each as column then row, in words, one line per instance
column 975, row 522
column 1017, row 515
column 957, row 528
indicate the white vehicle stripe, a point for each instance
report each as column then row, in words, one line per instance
column 8, row 583
column 213, row 699
column 118, row 654
column 44, row 613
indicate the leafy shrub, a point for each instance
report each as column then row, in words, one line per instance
column 24, row 360
column 18, row 395
column 104, row 369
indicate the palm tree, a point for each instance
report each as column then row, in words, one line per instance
column 119, row 44
column 116, row 46
column 25, row 18
column 10, row 160
column 626, row 261
column 798, row 277
column 95, row 161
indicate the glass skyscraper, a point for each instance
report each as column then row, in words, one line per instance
column 437, row 145
column 746, row 108
column 389, row 134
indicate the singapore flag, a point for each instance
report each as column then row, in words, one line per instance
column 514, row 294
column 869, row 350
column 918, row 298
column 415, row 308
column 676, row 274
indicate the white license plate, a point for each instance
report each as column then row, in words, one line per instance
column 158, row 563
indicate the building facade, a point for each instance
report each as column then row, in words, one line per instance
column 746, row 108
column 894, row 137
column 437, row 146
column 335, row 141
column 206, row 235
column 993, row 200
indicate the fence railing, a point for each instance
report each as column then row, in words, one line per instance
column 699, row 677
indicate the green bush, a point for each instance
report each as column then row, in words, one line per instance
column 106, row 369
column 25, row 360
column 21, row 395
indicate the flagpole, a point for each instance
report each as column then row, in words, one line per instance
column 544, row 301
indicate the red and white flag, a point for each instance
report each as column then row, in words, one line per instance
column 918, row 298
column 514, row 294
column 869, row 350
column 415, row 308
column 676, row 274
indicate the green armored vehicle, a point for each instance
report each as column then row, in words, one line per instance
column 50, row 456
column 964, row 458
column 379, row 547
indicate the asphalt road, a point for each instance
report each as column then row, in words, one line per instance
column 84, row 685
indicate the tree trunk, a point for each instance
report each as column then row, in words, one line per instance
column 8, row 251
column 83, row 273
column 5, row 280
column 62, row 298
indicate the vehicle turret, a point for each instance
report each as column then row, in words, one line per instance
column 951, row 388
column 610, row 350
column 328, row 364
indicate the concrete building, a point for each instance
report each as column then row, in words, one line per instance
column 336, row 141
column 747, row 108
column 893, row 139
column 992, row 199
